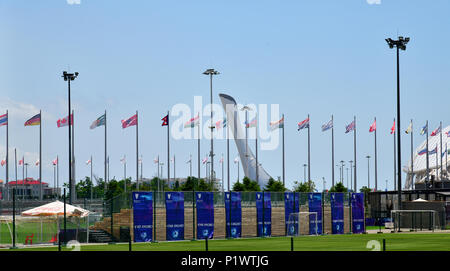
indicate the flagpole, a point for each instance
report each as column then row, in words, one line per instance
column 354, row 152
column 222, row 175
column 256, row 150
column 284, row 182
column 332, row 151
column 428, row 162
column 309, row 151
column 92, row 182
column 57, row 176
column 395, row 163
column 106, row 158
column 198, row 152
column 174, row 172
column 228, row 159
column 40, row 157
column 23, row 176
column 168, row 150
column 376, row 173
column 73, row 160
column 190, row 164
column 412, row 158
column 440, row 151
column 137, row 153
column 7, row 154
column 15, row 166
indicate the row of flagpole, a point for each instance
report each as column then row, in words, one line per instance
column 133, row 121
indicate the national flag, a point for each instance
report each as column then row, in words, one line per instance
column 192, row 122
column 409, row 130
column 373, row 127
column 303, row 124
column 434, row 151
column 277, row 124
column 98, row 122
column 156, row 161
column 447, row 133
column 424, row 129
column 165, row 120
column 140, row 160
column 123, row 160
column 21, row 162
column 393, row 128
column 437, row 131
column 236, row 160
column 189, row 161
column 88, row 162
column 64, row 121
column 205, row 160
column 422, row 152
column 55, row 162
column 221, row 123
column 250, row 124
column 350, row 127
column 221, row 160
column 129, row 122
column 4, row 119
column 37, row 162
column 35, row 120
column 327, row 125
column 3, row 162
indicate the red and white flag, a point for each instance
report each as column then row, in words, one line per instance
column 393, row 128
column 3, row 162
column 205, row 160
column 155, row 160
column 123, row 160
column 21, row 162
column 88, row 162
column 37, row 162
column 64, row 121
column 373, row 127
column 129, row 122
column 55, row 162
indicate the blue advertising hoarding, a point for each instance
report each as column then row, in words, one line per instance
column 143, row 216
column 315, row 205
column 291, row 205
column 264, row 213
column 233, row 212
column 205, row 214
column 174, row 216
column 357, row 202
column 337, row 213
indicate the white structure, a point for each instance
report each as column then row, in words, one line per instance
column 235, row 127
column 419, row 174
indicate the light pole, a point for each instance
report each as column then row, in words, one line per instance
column 24, row 180
column 70, row 77
column 304, row 172
column 342, row 171
column 211, row 72
column 368, row 171
column 324, row 182
column 399, row 44
column 351, row 174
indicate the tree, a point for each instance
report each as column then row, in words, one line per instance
column 308, row 186
column 365, row 190
column 274, row 186
column 246, row 185
column 238, row 187
column 339, row 187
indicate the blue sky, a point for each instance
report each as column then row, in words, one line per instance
column 310, row 57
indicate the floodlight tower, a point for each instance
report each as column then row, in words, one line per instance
column 400, row 44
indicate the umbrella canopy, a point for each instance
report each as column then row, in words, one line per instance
column 56, row 208
column 420, row 200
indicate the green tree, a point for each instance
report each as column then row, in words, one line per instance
column 339, row 187
column 246, row 185
column 274, row 186
column 308, row 186
column 238, row 187
column 365, row 190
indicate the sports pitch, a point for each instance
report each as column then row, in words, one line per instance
column 346, row 242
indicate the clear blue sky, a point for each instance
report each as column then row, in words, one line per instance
column 310, row 57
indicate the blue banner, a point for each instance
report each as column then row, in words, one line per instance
column 337, row 213
column 143, row 216
column 358, row 213
column 174, row 216
column 205, row 214
column 264, row 213
column 315, row 205
column 233, row 212
column 291, row 205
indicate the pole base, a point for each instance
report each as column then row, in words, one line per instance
column 13, row 248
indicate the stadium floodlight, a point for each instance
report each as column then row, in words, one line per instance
column 399, row 44
column 70, row 77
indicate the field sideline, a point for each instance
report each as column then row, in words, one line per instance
column 394, row 242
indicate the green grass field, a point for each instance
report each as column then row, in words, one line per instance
column 394, row 242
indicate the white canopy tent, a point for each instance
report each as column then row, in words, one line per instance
column 56, row 208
